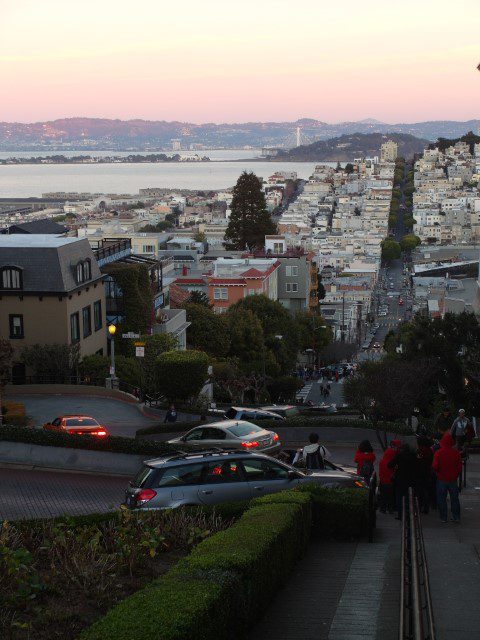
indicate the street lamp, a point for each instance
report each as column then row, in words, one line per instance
column 112, row 382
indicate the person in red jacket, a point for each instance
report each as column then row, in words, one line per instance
column 386, row 492
column 447, row 465
column 365, row 459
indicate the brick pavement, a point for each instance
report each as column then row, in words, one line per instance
column 42, row 494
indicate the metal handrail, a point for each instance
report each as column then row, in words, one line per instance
column 372, row 505
column 416, row 612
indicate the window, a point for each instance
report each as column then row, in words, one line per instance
column 196, row 434
column 244, row 429
column 181, row 476
column 264, row 470
column 223, row 472
column 11, row 278
column 291, row 287
column 220, row 293
column 97, row 315
column 74, row 328
column 84, row 271
column 87, row 321
column 16, row 327
column 251, row 292
column 148, row 248
column 291, row 270
column 213, row 434
column 278, row 247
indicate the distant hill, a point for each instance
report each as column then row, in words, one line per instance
column 355, row 145
column 103, row 133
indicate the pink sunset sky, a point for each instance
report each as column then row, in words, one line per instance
column 228, row 61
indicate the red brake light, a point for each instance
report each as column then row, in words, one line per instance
column 249, row 445
column 144, row 495
column 275, row 437
column 102, row 433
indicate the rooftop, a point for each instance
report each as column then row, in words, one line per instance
column 37, row 241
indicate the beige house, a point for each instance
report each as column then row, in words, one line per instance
column 51, row 291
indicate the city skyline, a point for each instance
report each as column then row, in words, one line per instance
column 213, row 62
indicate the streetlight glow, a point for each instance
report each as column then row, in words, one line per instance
column 111, row 329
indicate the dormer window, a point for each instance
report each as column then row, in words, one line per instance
column 11, row 278
column 84, row 271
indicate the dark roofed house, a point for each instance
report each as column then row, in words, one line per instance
column 51, row 291
column 44, row 226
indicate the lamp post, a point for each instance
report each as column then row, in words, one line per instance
column 112, row 381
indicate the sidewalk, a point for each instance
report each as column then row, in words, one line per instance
column 340, row 591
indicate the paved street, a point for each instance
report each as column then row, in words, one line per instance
column 43, row 494
column 120, row 418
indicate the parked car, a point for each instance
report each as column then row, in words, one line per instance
column 212, row 477
column 283, row 410
column 245, row 413
column 229, row 434
column 77, row 425
column 376, row 345
column 382, row 313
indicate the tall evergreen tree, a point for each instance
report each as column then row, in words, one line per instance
column 250, row 221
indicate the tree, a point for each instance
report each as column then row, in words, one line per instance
column 349, row 168
column 249, row 221
column 390, row 390
column 199, row 236
column 275, row 321
column 181, row 374
column 409, row 242
column 312, row 330
column 391, row 250
column 208, row 332
column 52, row 363
column 201, row 298
column 284, row 388
column 6, row 357
column 321, row 293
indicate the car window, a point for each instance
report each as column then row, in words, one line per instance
column 264, row 470
column 56, row 422
column 180, row 476
column 223, row 472
column 196, row 434
column 81, row 422
column 263, row 416
column 213, row 434
column 244, row 429
column 140, row 479
column 231, row 413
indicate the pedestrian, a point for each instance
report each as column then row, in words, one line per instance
column 337, row 376
column 386, row 492
column 461, row 429
column 321, row 389
column 447, row 465
column 404, row 465
column 365, row 459
column 425, row 481
column 312, row 456
column 171, row 415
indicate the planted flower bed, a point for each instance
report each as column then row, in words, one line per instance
column 58, row 576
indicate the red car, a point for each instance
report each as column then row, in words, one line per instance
column 77, row 425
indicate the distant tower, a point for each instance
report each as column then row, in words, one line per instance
column 176, row 145
column 299, row 136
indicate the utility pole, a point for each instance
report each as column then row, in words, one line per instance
column 343, row 318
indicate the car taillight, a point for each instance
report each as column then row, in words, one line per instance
column 275, row 437
column 74, row 432
column 102, row 433
column 250, row 445
column 144, row 495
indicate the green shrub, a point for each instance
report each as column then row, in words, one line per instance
column 113, row 444
column 168, row 427
column 173, row 382
column 338, row 513
column 223, row 586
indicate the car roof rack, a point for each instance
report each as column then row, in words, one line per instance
column 179, row 454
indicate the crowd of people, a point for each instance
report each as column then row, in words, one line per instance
column 432, row 470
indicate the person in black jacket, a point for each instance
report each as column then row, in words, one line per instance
column 171, row 415
column 405, row 466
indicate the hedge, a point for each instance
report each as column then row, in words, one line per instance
column 14, row 412
column 224, row 585
column 338, row 513
column 302, row 421
column 114, row 444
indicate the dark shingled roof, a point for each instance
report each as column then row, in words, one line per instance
column 48, row 264
column 38, row 226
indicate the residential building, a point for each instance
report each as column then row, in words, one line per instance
column 389, row 151
column 51, row 291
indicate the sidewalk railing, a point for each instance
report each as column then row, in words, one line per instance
column 372, row 506
column 416, row 614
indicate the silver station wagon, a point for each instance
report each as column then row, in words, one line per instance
column 212, row 477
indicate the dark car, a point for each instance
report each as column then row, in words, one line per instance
column 245, row 413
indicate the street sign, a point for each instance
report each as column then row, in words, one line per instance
column 130, row 335
column 140, row 352
column 139, row 344
column 112, row 371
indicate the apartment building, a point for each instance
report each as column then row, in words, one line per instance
column 51, row 291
